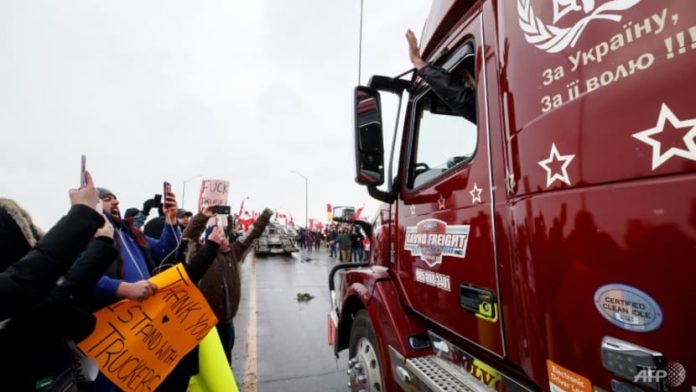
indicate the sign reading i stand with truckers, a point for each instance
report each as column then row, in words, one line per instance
column 213, row 193
column 137, row 344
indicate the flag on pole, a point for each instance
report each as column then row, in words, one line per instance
column 359, row 211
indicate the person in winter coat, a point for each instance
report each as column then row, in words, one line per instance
column 36, row 357
column 331, row 238
column 17, row 233
column 27, row 281
column 356, row 242
column 221, row 285
column 139, row 255
column 344, row 245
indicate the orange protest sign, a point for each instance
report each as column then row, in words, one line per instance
column 137, row 344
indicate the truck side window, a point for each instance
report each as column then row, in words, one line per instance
column 443, row 137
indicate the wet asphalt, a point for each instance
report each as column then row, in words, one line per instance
column 291, row 351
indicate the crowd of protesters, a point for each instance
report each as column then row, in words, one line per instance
column 347, row 242
column 51, row 283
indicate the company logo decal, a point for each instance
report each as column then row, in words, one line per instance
column 552, row 38
column 628, row 308
column 674, row 375
column 432, row 238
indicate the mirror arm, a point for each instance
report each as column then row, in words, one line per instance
column 390, row 184
column 386, row 197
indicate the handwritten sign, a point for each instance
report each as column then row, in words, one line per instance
column 213, row 193
column 137, row 344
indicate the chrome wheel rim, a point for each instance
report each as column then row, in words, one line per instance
column 363, row 368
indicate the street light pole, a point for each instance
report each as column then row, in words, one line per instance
column 183, row 190
column 306, row 196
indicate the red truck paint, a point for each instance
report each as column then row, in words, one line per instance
column 583, row 178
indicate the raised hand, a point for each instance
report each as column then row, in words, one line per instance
column 170, row 208
column 87, row 195
column 414, row 51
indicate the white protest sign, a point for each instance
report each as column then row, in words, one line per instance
column 213, row 193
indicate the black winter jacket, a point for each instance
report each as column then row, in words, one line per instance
column 26, row 282
column 451, row 90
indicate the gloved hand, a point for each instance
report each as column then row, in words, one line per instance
column 267, row 212
column 148, row 205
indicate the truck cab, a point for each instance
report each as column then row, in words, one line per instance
column 544, row 238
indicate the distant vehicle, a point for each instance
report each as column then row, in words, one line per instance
column 292, row 233
column 275, row 240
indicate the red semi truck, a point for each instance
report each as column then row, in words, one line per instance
column 549, row 241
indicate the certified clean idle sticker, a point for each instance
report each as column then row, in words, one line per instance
column 628, row 307
column 432, row 238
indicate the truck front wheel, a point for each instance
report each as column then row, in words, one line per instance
column 364, row 367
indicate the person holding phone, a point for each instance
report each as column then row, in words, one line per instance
column 138, row 257
column 221, row 284
column 43, row 275
column 128, row 275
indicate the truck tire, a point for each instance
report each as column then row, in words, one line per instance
column 364, row 367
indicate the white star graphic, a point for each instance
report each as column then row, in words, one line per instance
column 413, row 209
column 659, row 158
column 475, row 194
column 441, row 203
column 556, row 157
column 510, row 183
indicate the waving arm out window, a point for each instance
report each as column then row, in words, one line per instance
column 445, row 133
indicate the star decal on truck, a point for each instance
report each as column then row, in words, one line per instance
column 475, row 193
column 551, row 165
column 510, row 182
column 655, row 137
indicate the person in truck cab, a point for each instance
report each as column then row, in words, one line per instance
column 457, row 90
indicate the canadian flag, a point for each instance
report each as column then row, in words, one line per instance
column 246, row 219
column 359, row 211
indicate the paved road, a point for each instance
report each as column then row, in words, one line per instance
column 281, row 343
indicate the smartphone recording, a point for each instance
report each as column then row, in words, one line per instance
column 221, row 210
column 83, row 167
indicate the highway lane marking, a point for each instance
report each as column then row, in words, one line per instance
column 250, row 378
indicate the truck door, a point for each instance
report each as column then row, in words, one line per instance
column 446, row 254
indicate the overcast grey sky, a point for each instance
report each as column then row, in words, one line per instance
column 167, row 90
